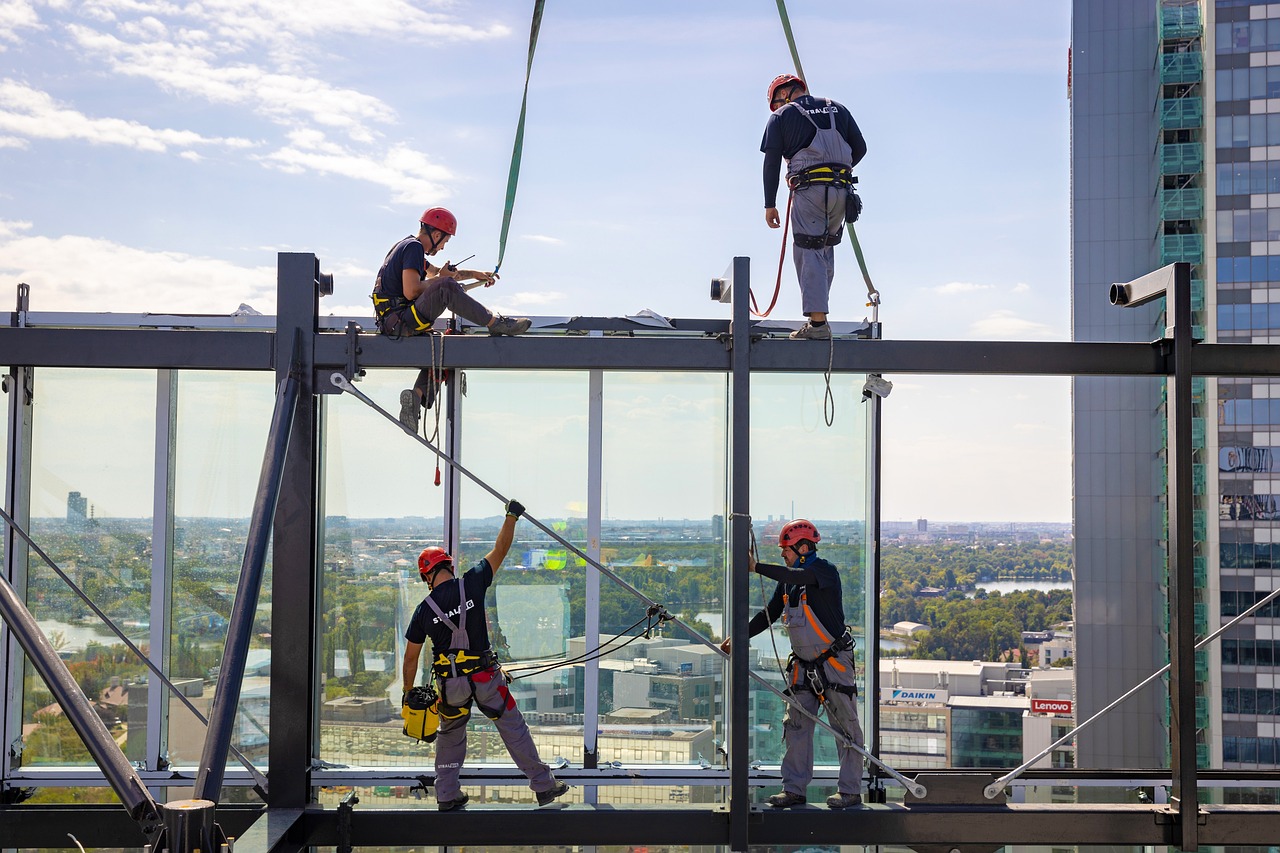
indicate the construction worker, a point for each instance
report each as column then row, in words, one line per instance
column 820, row 668
column 466, row 670
column 821, row 143
column 410, row 293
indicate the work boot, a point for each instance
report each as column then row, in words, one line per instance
column 450, row 805
column 843, row 801
column 553, row 793
column 509, row 325
column 786, row 800
column 409, row 410
column 810, row 332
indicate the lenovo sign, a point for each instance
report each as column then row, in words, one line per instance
column 1051, row 706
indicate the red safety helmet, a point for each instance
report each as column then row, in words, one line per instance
column 781, row 81
column 441, row 220
column 430, row 558
column 795, row 532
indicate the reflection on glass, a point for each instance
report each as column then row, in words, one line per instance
column 525, row 435
column 91, row 512
column 221, row 431
column 381, row 509
column 663, row 532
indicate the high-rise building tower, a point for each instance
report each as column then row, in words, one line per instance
column 1175, row 127
column 77, row 509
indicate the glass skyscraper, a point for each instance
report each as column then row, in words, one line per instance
column 1175, row 129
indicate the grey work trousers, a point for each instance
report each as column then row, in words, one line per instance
column 816, row 210
column 451, row 742
column 797, row 735
column 442, row 295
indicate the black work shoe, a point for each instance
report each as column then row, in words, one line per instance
column 551, row 794
column 509, row 325
column 786, row 800
column 843, row 801
column 409, row 410
column 450, row 805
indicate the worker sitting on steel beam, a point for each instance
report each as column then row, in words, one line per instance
column 410, row 293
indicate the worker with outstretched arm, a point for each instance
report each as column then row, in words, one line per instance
column 466, row 670
column 820, row 670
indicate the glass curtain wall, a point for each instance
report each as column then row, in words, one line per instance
column 91, row 510
column 663, row 501
column 801, row 467
column 381, row 507
column 221, row 425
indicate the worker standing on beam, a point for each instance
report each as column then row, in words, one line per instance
column 820, row 671
column 452, row 617
column 410, row 293
column 821, row 143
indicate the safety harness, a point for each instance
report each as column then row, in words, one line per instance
column 808, row 674
column 460, row 662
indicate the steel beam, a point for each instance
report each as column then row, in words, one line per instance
column 740, row 504
column 954, row 826
column 141, row 348
column 295, row 579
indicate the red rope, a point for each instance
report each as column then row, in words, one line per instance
column 777, row 286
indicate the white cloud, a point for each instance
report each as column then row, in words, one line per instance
column 1022, row 287
column 191, row 68
column 1005, row 324
column 273, row 23
column 954, row 288
column 407, row 173
column 35, row 115
column 534, row 299
column 543, row 238
column 126, row 279
column 16, row 15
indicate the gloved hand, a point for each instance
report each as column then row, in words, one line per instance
column 514, row 507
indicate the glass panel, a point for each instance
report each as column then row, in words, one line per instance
column 803, row 468
column 662, row 699
column 91, row 512
column 221, row 433
column 382, row 508
column 525, row 435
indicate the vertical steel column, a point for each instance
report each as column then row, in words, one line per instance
column 595, row 474
column 453, row 448
column 1182, row 639
column 871, row 701
column 226, row 698
column 740, row 500
column 17, row 491
column 157, row 725
column 294, row 571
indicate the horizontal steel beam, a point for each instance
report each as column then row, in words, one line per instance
column 195, row 349
column 955, row 826
column 225, row 349
column 31, row 826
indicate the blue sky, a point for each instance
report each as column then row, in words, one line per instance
column 157, row 155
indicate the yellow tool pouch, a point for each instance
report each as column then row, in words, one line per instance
column 421, row 717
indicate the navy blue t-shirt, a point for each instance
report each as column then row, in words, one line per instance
column 788, row 132
column 819, row 579
column 425, row 623
column 408, row 254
